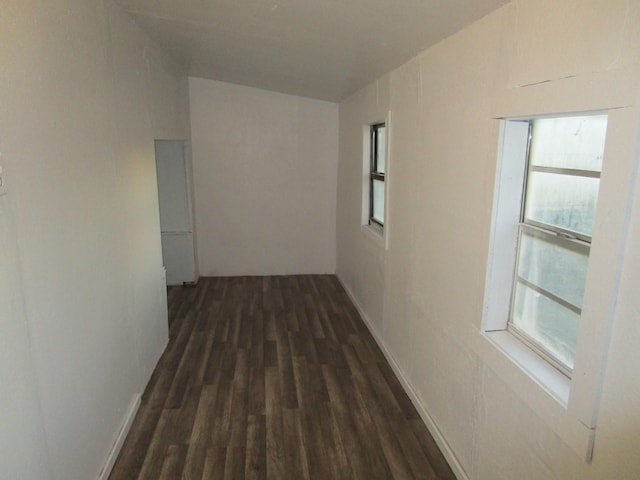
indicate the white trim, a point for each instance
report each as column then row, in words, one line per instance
column 388, row 167
column 504, row 223
column 110, row 461
column 381, row 232
column 535, row 366
column 571, row 414
column 437, row 435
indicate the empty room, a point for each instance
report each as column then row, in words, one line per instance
column 298, row 239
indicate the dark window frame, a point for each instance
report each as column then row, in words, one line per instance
column 374, row 173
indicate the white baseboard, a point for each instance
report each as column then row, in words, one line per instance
column 122, row 434
column 455, row 465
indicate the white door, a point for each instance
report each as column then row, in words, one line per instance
column 175, row 214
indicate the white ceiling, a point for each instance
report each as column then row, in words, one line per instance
column 324, row 49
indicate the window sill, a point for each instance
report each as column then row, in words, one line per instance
column 540, row 386
column 375, row 232
column 538, row 369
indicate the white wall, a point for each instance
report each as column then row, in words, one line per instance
column 265, row 180
column 83, row 94
column 423, row 297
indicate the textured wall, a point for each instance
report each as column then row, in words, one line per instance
column 265, row 180
column 424, row 295
column 83, row 95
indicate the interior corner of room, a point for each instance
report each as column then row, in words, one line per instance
column 129, row 162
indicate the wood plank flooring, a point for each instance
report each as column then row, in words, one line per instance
column 274, row 378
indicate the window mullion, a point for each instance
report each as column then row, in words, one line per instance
column 549, row 295
column 555, row 233
column 566, row 171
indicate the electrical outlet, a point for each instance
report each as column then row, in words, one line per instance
column 3, row 180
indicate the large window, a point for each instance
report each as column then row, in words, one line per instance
column 562, row 177
column 377, row 169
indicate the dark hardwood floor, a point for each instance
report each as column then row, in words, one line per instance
column 274, row 378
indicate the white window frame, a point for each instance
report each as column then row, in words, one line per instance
column 568, row 406
column 566, row 239
column 373, row 230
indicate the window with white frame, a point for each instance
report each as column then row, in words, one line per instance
column 377, row 170
column 554, row 230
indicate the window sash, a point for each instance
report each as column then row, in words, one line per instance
column 572, row 172
column 541, row 223
column 561, row 237
column 559, row 240
column 563, row 242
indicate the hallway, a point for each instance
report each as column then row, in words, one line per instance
column 278, row 378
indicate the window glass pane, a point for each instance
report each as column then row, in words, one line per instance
column 554, row 265
column 547, row 322
column 569, row 142
column 565, row 201
column 378, row 201
column 381, row 149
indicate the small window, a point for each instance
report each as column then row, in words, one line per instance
column 562, row 178
column 377, row 135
